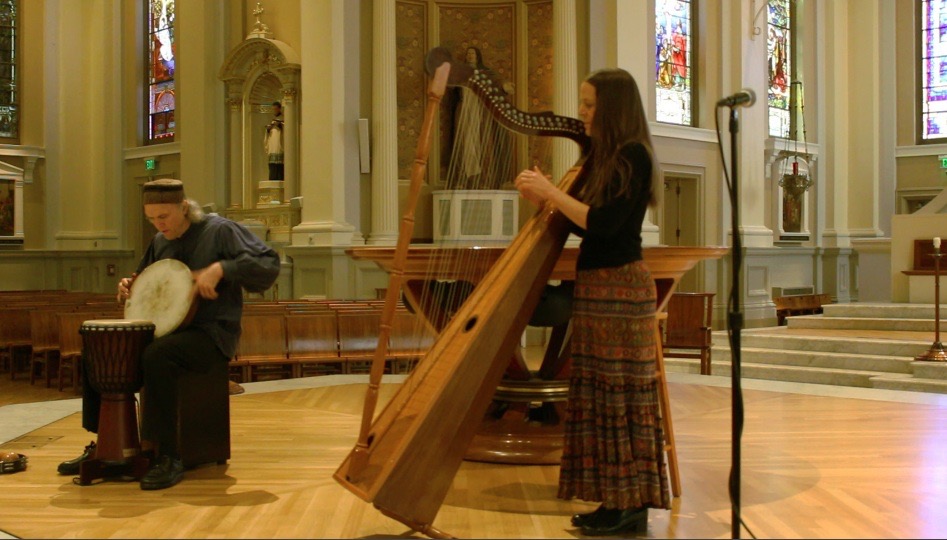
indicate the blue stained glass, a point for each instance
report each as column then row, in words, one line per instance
column 9, row 102
column 934, row 68
column 161, row 67
column 673, row 54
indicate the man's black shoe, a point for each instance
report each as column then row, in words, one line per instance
column 165, row 472
column 71, row 467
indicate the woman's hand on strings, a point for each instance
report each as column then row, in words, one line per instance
column 534, row 186
column 125, row 288
column 206, row 280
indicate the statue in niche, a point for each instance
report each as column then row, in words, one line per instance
column 273, row 143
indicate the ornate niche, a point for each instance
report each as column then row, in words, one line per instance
column 258, row 72
column 11, row 206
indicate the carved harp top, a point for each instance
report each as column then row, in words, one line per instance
column 496, row 101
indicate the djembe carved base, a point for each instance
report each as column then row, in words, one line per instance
column 113, row 350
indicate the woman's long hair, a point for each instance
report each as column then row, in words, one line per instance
column 619, row 119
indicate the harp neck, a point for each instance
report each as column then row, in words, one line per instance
column 497, row 101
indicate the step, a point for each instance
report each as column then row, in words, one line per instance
column 930, row 370
column 913, row 384
column 771, row 372
column 863, row 323
column 780, row 338
column 882, row 311
column 817, row 359
column 682, row 365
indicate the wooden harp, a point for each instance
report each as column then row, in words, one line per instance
column 406, row 459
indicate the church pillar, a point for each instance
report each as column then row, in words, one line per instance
column 633, row 31
column 384, row 126
column 235, row 105
column 744, row 66
column 322, row 149
column 566, row 87
column 290, row 146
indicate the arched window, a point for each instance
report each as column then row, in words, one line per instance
column 161, row 95
column 673, row 39
column 779, row 52
column 932, row 52
column 9, row 101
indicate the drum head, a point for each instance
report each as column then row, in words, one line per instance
column 163, row 294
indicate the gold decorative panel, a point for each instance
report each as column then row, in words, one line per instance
column 499, row 31
column 539, row 85
column 411, row 48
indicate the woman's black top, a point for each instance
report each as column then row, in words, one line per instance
column 613, row 230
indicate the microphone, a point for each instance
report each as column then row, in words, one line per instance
column 743, row 98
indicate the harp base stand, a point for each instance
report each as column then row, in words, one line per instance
column 423, row 528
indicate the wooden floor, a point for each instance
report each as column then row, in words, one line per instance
column 813, row 467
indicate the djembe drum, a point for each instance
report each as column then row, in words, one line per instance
column 162, row 298
column 113, row 349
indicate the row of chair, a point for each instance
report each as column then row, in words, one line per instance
column 341, row 338
column 39, row 331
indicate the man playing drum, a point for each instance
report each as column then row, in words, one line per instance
column 224, row 258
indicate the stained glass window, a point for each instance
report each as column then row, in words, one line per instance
column 161, row 58
column 779, row 45
column 933, row 69
column 9, row 103
column 674, row 70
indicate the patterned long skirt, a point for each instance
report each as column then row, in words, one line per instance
column 613, row 450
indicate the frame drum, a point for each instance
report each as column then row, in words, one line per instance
column 164, row 294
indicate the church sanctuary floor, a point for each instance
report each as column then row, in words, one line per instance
column 818, row 461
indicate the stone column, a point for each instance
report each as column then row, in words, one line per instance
column 384, row 126
column 235, row 104
column 633, row 32
column 290, row 144
column 565, row 99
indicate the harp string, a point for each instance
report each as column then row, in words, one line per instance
column 482, row 156
column 541, row 127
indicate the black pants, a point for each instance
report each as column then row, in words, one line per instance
column 163, row 362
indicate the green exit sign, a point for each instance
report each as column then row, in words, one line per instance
column 152, row 163
column 943, row 161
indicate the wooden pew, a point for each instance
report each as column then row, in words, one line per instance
column 688, row 328
column 411, row 337
column 263, row 347
column 313, row 342
column 44, row 342
column 14, row 337
column 799, row 304
column 358, row 338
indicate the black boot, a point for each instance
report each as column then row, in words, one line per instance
column 617, row 522
column 583, row 520
column 71, row 467
column 165, row 472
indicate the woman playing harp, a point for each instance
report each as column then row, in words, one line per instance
column 613, row 451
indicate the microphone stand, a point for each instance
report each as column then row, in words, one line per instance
column 735, row 321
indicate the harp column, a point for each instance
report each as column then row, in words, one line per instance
column 384, row 126
column 566, row 90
